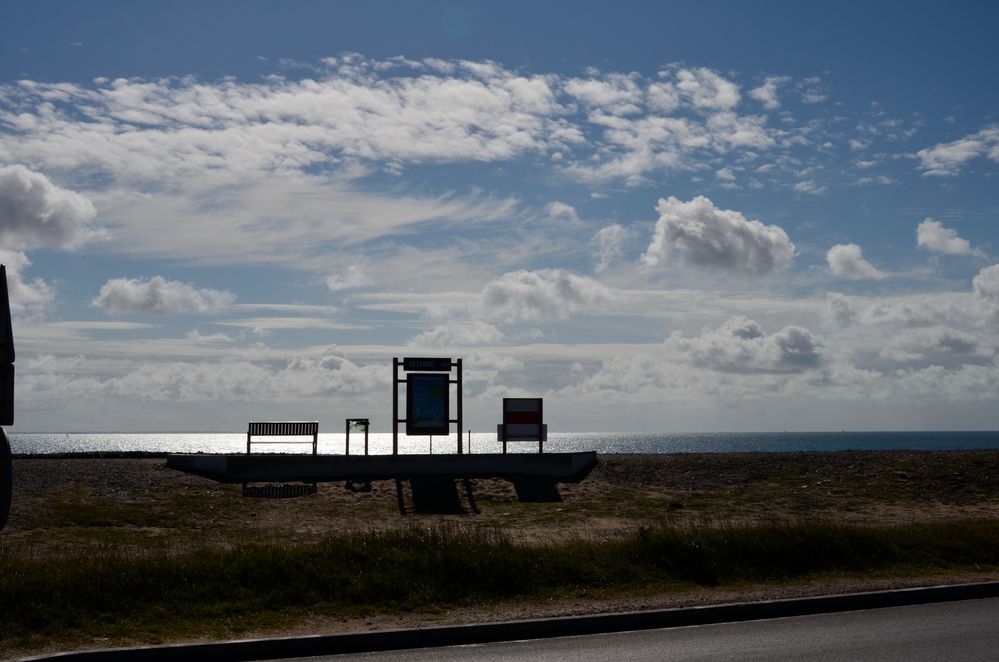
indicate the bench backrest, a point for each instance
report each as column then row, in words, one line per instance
column 283, row 429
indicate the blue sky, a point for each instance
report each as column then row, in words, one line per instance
column 658, row 216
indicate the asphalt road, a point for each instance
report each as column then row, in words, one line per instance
column 966, row 631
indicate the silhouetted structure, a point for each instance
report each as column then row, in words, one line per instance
column 434, row 480
column 523, row 420
column 428, row 398
column 356, row 424
column 270, row 429
column 6, row 398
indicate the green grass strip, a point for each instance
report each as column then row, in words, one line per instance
column 224, row 591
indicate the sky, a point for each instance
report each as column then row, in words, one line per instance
column 672, row 216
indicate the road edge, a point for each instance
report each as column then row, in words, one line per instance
column 566, row 626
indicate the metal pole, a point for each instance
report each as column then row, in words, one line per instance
column 367, row 425
column 347, row 435
column 460, row 450
column 395, row 405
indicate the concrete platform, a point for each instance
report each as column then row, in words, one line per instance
column 243, row 468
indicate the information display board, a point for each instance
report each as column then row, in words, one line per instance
column 427, row 364
column 427, row 404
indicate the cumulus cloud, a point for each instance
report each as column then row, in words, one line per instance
column 545, row 295
column 708, row 237
column 840, row 310
column 616, row 93
column 159, row 295
column 36, row 213
column 461, row 335
column 931, row 235
column 740, row 345
column 986, row 284
column 26, row 297
column 938, row 344
column 847, row 261
column 920, row 311
column 947, row 159
column 707, row 89
column 766, row 93
column 903, row 313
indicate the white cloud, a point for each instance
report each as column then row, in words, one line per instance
column 459, row 335
column 740, row 345
column 810, row 186
column 36, row 213
column 986, row 284
column 725, row 175
column 708, row 237
column 158, row 295
column 847, row 261
column 351, row 278
column 840, row 310
column 28, row 298
column 563, row 213
column 947, row 159
column 318, row 374
column 922, row 310
column 731, row 131
column 811, row 90
column 608, row 244
column 617, row 94
column 186, row 128
column 546, row 295
column 663, row 97
column 263, row 325
column 297, row 221
column 168, row 133
column 706, row 89
column 766, row 93
column 941, row 345
column 882, row 180
column 931, row 235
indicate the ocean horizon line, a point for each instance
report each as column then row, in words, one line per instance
column 380, row 443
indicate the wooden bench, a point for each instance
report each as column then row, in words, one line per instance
column 283, row 429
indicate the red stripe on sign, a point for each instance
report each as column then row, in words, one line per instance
column 515, row 417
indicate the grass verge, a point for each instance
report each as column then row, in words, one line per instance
column 219, row 592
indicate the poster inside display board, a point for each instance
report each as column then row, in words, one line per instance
column 427, row 404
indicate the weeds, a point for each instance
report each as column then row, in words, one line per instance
column 118, row 594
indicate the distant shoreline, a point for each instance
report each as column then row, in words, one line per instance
column 156, row 455
column 334, row 443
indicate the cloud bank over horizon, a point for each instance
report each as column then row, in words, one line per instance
column 674, row 236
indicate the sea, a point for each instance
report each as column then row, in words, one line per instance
column 381, row 443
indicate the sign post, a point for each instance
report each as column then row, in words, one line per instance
column 6, row 398
column 428, row 397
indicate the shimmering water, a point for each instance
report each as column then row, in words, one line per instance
column 381, row 443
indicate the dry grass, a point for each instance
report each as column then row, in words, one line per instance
column 122, row 513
